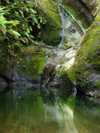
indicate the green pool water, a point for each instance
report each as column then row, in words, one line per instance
column 24, row 111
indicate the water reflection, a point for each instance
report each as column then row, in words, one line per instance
column 27, row 112
column 87, row 116
column 63, row 116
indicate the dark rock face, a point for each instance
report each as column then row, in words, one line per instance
column 90, row 4
column 83, row 7
column 14, row 77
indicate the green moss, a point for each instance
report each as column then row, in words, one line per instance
column 33, row 64
column 3, row 67
column 98, row 83
column 33, row 49
column 53, row 27
column 96, row 63
column 64, row 60
column 86, row 55
column 70, row 73
column 54, row 72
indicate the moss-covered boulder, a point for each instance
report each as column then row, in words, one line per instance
column 88, row 61
column 23, row 73
column 51, row 31
column 68, row 69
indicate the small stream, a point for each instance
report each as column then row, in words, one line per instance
column 30, row 111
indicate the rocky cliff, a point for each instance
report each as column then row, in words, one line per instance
column 88, row 60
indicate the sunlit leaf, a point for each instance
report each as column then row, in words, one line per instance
column 13, row 32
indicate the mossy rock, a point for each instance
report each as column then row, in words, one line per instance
column 70, row 74
column 33, row 63
column 51, row 31
column 88, row 57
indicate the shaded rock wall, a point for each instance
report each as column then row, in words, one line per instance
column 90, row 4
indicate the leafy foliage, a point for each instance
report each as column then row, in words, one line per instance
column 20, row 23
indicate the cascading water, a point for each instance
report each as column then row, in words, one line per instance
column 74, row 88
column 64, row 18
column 81, row 27
column 69, row 22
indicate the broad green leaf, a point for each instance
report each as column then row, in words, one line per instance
column 14, row 23
column 13, row 32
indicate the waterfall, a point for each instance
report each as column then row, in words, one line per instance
column 74, row 88
column 66, row 16
column 83, row 30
